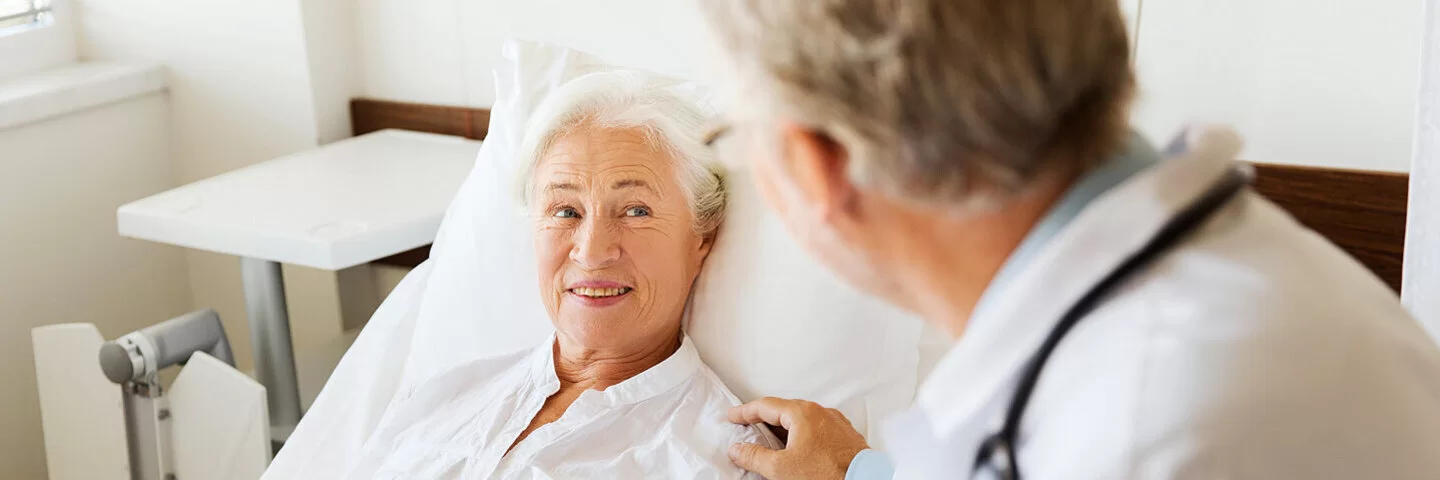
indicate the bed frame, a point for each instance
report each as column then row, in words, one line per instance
column 1361, row 211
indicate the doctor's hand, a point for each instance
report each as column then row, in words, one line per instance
column 820, row 445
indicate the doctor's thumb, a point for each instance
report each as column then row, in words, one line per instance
column 756, row 458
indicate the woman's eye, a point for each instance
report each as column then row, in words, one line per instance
column 637, row 212
column 567, row 212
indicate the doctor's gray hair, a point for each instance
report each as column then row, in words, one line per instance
column 941, row 102
column 673, row 123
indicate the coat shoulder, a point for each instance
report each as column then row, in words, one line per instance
column 1258, row 349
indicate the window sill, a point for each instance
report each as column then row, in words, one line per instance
column 73, row 88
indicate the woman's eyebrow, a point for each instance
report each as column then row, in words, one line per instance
column 561, row 187
column 625, row 183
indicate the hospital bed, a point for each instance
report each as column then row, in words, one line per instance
column 1363, row 212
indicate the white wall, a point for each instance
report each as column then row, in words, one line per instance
column 60, row 259
column 329, row 29
column 442, row 51
column 249, row 81
column 1325, row 82
column 1319, row 82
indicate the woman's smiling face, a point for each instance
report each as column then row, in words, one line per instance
column 616, row 248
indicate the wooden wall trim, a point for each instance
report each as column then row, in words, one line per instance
column 1361, row 211
column 367, row 115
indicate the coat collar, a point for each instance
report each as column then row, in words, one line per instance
column 1016, row 320
column 1138, row 156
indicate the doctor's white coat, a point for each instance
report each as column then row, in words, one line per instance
column 1254, row 350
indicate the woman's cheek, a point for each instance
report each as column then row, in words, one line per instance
column 552, row 243
column 551, row 252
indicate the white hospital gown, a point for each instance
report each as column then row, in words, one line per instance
column 667, row 422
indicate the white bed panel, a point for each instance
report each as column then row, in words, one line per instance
column 220, row 426
column 81, row 411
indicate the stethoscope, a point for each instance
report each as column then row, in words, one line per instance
column 997, row 452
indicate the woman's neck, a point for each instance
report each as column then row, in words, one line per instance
column 579, row 367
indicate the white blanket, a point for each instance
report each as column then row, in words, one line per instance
column 330, row 436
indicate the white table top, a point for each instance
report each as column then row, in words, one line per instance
column 333, row 207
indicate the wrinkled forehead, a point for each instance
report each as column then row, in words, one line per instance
column 587, row 158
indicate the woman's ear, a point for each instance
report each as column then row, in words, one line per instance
column 707, row 243
column 702, row 252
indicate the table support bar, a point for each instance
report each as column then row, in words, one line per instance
column 270, row 342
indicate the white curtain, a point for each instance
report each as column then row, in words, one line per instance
column 1422, row 237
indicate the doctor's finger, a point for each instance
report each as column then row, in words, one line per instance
column 771, row 410
column 756, row 458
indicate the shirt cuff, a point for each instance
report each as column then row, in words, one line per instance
column 870, row 464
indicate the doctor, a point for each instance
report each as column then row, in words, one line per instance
column 1114, row 315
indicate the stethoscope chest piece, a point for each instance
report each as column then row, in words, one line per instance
column 998, row 456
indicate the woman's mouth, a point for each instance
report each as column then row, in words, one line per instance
column 599, row 296
column 589, row 292
column 597, row 293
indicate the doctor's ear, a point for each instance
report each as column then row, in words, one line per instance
column 819, row 166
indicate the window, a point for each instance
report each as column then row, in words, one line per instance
column 25, row 48
column 23, row 14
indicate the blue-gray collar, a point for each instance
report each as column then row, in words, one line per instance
column 1139, row 154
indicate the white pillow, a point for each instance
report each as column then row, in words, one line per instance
column 765, row 316
column 771, row 321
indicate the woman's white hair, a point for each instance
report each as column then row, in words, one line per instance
column 672, row 123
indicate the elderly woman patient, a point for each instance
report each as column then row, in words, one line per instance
column 625, row 203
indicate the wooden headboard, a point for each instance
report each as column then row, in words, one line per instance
column 1361, row 211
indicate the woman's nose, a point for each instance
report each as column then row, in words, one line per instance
column 596, row 246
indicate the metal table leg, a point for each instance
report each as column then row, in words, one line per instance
column 270, row 341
